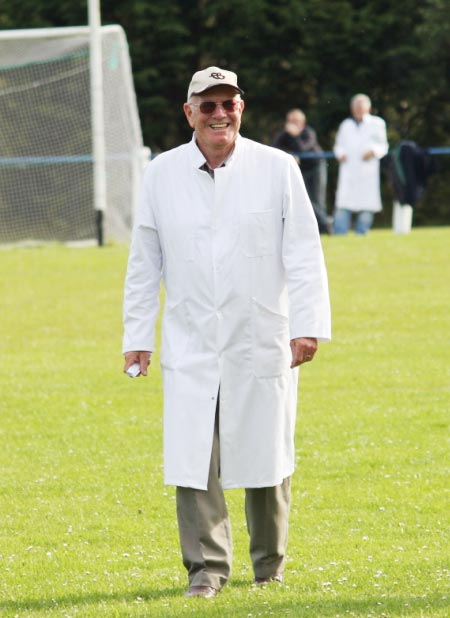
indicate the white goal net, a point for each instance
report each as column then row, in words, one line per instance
column 46, row 162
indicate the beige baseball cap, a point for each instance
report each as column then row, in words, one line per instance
column 211, row 77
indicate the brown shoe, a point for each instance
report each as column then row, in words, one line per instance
column 261, row 581
column 208, row 592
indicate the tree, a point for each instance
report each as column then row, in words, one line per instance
column 310, row 54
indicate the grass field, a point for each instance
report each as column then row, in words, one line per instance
column 87, row 528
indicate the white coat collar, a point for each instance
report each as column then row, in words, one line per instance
column 198, row 158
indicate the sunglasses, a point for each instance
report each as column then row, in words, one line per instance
column 208, row 107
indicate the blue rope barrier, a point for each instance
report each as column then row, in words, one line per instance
column 438, row 151
column 52, row 160
column 87, row 158
column 441, row 150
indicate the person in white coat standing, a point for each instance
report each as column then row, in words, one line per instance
column 227, row 224
column 360, row 144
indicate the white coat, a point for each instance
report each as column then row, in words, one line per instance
column 359, row 181
column 244, row 273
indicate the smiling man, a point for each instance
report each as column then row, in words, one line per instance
column 227, row 224
column 216, row 118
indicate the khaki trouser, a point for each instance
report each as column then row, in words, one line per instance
column 205, row 532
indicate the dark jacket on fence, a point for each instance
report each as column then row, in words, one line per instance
column 409, row 166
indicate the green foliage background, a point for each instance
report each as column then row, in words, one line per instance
column 314, row 54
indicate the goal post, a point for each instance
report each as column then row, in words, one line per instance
column 47, row 159
column 97, row 119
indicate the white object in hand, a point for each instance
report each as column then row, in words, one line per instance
column 134, row 370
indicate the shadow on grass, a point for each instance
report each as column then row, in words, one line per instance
column 72, row 600
column 392, row 606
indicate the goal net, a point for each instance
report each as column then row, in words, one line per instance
column 46, row 162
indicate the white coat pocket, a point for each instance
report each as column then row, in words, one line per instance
column 257, row 233
column 176, row 330
column 270, row 342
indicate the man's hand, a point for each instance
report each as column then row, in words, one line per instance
column 141, row 357
column 368, row 155
column 303, row 350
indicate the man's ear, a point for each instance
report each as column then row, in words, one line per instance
column 188, row 113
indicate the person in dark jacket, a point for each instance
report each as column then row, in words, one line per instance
column 298, row 138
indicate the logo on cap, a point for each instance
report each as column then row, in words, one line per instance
column 217, row 75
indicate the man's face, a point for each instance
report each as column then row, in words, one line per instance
column 359, row 107
column 219, row 128
column 296, row 119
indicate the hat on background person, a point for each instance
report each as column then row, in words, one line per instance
column 211, row 77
